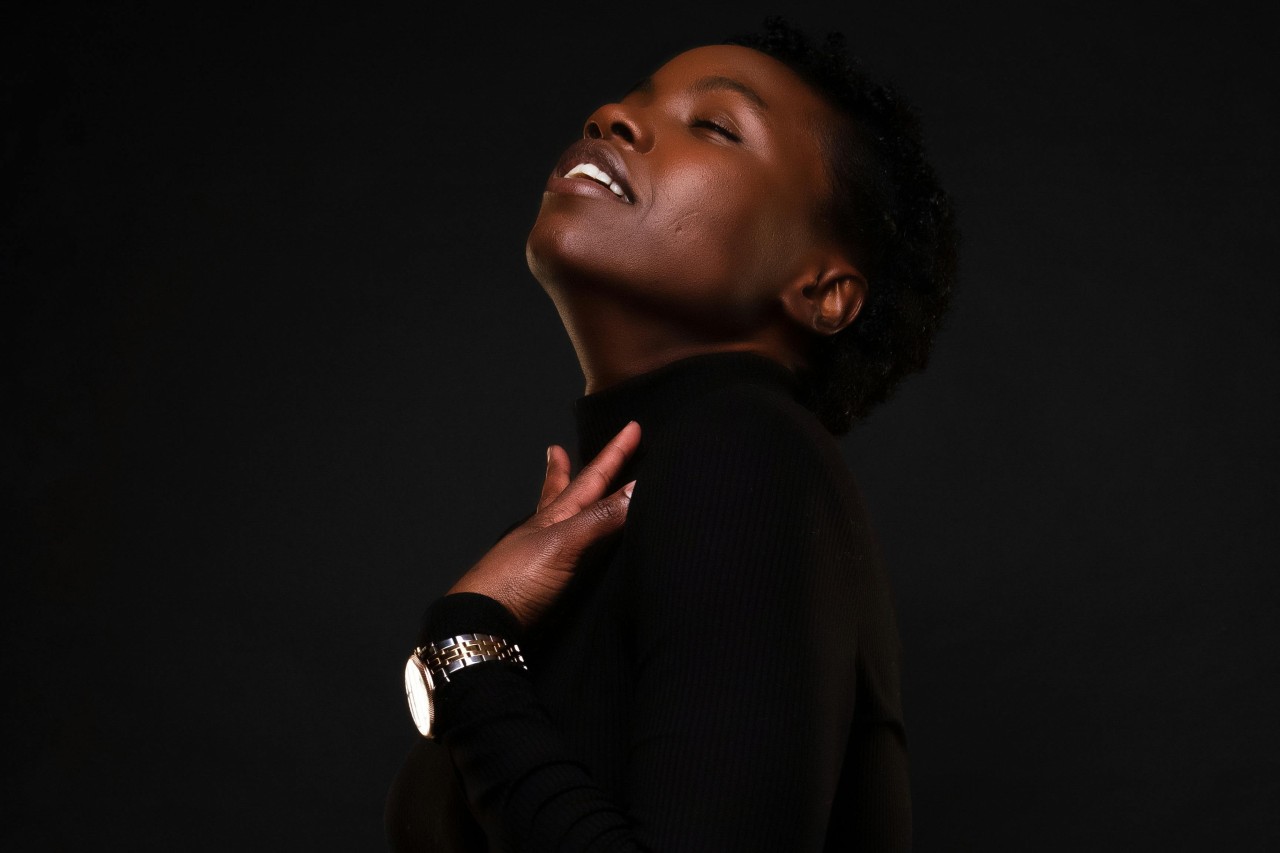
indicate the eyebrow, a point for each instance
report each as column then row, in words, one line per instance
column 713, row 83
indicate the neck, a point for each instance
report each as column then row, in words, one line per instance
column 614, row 341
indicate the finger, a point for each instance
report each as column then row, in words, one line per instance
column 596, row 520
column 594, row 479
column 557, row 476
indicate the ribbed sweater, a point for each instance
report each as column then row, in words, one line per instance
column 721, row 675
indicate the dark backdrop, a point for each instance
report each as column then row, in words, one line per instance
column 277, row 374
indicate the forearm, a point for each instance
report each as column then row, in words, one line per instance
column 526, row 790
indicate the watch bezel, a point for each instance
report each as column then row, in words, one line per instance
column 419, row 690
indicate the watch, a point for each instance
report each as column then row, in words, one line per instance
column 439, row 662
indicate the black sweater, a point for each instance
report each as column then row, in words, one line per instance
column 722, row 675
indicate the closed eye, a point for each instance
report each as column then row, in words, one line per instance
column 721, row 129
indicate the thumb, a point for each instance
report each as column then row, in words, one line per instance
column 598, row 519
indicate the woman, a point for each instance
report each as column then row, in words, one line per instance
column 691, row 644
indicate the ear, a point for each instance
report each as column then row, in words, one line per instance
column 826, row 297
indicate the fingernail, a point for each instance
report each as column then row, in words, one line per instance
column 548, row 455
column 627, row 489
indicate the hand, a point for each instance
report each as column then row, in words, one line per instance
column 528, row 567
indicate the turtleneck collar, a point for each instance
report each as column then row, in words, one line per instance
column 650, row 397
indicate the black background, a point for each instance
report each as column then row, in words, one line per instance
column 277, row 373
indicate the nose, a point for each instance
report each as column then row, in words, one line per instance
column 618, row 122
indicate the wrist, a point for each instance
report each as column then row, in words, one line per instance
column 468, row 613
column 451, row 648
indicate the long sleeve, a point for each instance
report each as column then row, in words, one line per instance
column 738, row 558
column 746, row 639
column 526, row 789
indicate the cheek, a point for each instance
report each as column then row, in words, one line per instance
column 717, row 220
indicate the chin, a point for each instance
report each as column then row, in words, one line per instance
column 562, row 254
column 546, row 263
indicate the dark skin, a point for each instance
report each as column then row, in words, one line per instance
column 717, row 245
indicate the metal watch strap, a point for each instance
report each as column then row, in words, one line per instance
column 445, row 657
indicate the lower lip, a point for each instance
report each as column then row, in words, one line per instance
column 581, row 186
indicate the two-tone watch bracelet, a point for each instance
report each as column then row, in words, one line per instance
column 444, row 657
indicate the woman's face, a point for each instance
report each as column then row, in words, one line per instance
column 717, row 178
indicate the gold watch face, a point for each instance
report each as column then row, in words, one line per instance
column 418, row 688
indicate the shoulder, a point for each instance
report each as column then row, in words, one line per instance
column 741, row 502
column 746, row 456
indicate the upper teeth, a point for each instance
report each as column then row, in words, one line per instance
column 596, row 174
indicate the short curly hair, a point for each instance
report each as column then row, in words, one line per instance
column 888, row 208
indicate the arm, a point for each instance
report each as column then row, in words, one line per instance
column 746, row 641
column 526, row 790
column 488, row 718
column 745, row 677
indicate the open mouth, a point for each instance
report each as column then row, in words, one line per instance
column 600, row 176
column 597, row 161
